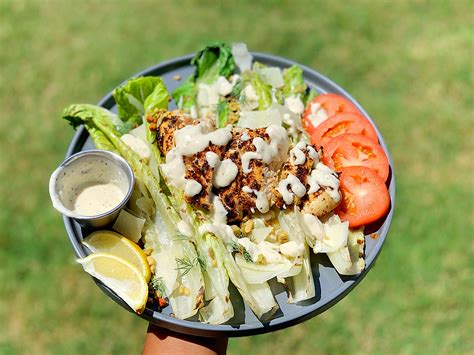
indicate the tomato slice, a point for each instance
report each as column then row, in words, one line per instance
column 324, row 106
column 340, row 123
column 365, row 197
column 355, row 150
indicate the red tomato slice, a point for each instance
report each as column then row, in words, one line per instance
column 365, row 197
column 332, row 104
column 340, row 123
column 355, row 150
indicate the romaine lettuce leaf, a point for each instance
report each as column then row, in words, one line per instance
column 293, row 81
column 213, row 61
column 185, row 95
column 140, row 95
column 263, row 91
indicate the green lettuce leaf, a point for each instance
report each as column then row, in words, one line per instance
column 263, row 91
column 140, row 95
column 185, row 95
column 213, row 61
column 293, row 81
column 222, row 113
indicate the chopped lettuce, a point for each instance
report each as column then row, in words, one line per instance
column 262, row 90
column 213, row 61
column 140, row 95
column 293, row 81
column 222, row 113
column 185, row 95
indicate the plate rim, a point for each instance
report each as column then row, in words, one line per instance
column 208, row 330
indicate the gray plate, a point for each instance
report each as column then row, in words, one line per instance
column 330, row 286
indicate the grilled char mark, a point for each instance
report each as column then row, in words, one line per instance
column 197, row 168
column 165, row 123
column 301, row 171
column 237, row 202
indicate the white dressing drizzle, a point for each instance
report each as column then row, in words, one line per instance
column 185, row 229
column 297, row 188
column 276, row 150
column 192, row 188
column 212, row 159
column 261, row 202
column 225, row 173
column 191, row 140
column 268, row 250
column 317, row 114
column 244, row 137
column 219, row 225
column 294, row 104
column 297, row 155
column 325, row 177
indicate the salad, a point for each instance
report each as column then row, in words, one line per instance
column 249, row 176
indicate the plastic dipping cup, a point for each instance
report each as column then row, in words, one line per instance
column 87, row 177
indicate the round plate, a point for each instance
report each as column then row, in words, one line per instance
column 330, row 286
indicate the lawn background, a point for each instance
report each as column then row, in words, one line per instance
column 410, row 64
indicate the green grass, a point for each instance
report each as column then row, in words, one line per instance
column 409, row 64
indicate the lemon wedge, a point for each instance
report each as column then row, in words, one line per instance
column 113, row 243
column 121, row 276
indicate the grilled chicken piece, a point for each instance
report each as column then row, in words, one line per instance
column 239, row 197
column 198, row 169
column 319, row 203
column 165, row 123
column 300, row 168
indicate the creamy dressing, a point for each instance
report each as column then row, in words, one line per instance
column 268, row 250
column 244, row 137
column 322, row 176
column 225, row 173
column 317, row 114
column 191, row 140
column 261, row 202
column 297, row 188
column 185, row 229
column 96, row 199
column 219, row 225
column 313, row 154
column 276, row 150
column 294, row 104
column 192, row 188
column 297, row 155
column 212, row 159
column 137, row 145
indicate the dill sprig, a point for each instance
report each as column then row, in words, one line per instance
column 241, row 250
column 185, row 265
column 158, row 285
column 237, row 89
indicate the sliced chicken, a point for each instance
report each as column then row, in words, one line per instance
column 319, row 203
column 165, row 123
column 298, row 186
column 237, row 200
column 299, row 165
